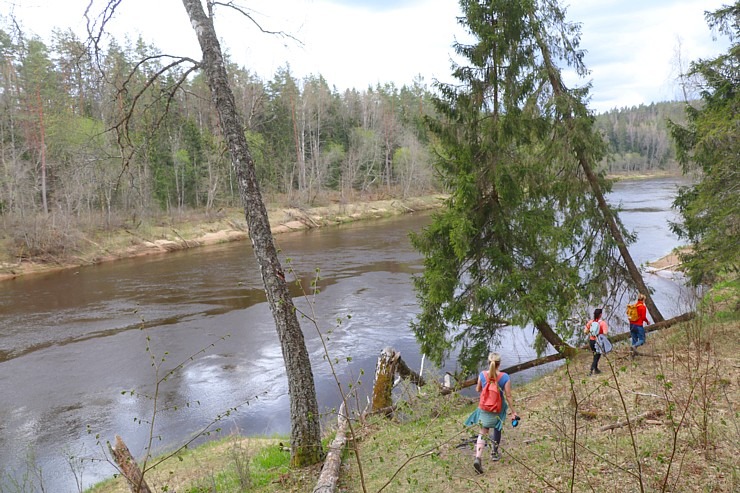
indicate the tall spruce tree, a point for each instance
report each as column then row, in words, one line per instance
column 522, row 240
column 708, row 146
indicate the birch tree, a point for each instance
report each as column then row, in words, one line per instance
column 304, row 416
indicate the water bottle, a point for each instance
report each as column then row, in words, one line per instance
column 515, row 421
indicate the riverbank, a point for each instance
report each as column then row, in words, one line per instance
column 174, row 233
column 662, row 421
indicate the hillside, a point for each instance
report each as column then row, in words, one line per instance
column 663, row 421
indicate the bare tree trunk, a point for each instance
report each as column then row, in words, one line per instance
column 617, row 235
column 42, row 132
column 555, row 340
column 305, row 438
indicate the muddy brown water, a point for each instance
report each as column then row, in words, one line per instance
column 73, row 344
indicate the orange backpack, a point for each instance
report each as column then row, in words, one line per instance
column 632, row 313
column 490, row 396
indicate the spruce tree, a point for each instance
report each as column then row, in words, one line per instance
column 708, row 147
column 522, row 240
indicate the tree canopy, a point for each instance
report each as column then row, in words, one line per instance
column 521, row 240
column 708, row 148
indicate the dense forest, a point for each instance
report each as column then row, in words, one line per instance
column 638, row 137
column 99, row 137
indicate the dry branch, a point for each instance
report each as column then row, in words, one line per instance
column 622, row 423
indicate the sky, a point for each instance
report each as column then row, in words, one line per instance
column 632, row 45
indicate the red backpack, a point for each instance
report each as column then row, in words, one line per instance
column 490, row 396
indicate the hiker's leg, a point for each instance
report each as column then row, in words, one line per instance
column 480, row 443
column 496, row 439
column 634, row 334
column 640, row 335
column 594, row 363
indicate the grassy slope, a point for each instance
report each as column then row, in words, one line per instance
column 686, row 381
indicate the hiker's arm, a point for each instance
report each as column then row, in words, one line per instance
column 509, row 398
column 478, row 386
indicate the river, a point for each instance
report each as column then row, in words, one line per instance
column 73, row 344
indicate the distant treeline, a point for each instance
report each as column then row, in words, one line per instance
column 127, row 131
column 638, row 137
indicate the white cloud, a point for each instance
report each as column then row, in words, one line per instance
column 631, row 44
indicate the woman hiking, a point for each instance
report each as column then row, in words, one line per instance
column 637, row 326
column 594, row 328
column 500, row 383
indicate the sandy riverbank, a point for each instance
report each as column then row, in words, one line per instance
column 225, row 227
column 671, row 262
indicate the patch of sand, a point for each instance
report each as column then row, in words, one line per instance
column 281, row 221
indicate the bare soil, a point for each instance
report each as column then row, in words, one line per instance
column 181, row 233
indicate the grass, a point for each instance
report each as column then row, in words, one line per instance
column 231, row 464
column 681, row 396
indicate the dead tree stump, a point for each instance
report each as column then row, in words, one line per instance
column 128, row 467
column 384, row 376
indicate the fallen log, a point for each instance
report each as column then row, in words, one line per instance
column 620, row 424
column 656, row 326
column 329, row 476
column 510, row 370
column 408, row 373
column 128, row 467
column 557, row 356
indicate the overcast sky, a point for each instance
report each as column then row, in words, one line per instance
column 631, row 44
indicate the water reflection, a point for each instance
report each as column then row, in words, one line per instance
column 72, row 343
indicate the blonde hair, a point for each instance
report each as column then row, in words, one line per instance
column 641, row 297
column 494, row 360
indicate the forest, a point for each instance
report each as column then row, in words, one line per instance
column 100, row 139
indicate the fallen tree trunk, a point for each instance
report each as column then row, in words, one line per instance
column 635, row 420
column 557, row 356
column 510, row 370
column 656, row 326
column 408, row 373
column 329, row 476
column 128, row 467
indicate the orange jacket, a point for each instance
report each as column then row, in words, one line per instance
column 642, row 314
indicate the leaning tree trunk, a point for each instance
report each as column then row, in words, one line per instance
column 617, row 235
column 305, row 438
column 559, row 90
column 555, row 340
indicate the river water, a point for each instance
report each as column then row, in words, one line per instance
column 73, row 344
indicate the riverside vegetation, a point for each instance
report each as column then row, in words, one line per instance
column 664, row 421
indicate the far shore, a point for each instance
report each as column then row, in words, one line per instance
column 226, row 227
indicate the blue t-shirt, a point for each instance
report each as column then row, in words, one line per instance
column 503, row 378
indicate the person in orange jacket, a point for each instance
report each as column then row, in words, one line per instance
column 601, row 328
column 637, row 327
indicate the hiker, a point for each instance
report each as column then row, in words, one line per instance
column 490, row 419
column 637, row 325
column 593, row 332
